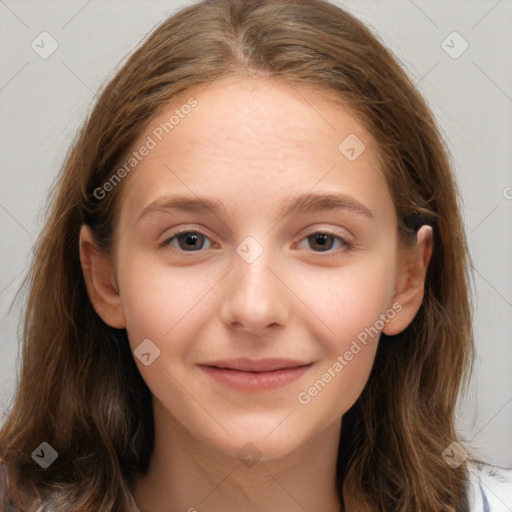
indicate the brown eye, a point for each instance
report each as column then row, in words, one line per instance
column 321, row 240
column 188, row 241
column 324, row 242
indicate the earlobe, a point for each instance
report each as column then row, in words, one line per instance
column 410, row 282
column 100, row 281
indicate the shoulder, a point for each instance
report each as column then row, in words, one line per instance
column 489, row 488
column 5, row 503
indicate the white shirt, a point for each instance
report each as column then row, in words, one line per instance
column 489, row 488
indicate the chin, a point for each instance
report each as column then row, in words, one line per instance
column 263, row 437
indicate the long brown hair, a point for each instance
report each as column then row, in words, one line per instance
column 79, row 387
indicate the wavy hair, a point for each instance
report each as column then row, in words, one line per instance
column 79, row 388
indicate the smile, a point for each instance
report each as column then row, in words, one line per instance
column 262, row 375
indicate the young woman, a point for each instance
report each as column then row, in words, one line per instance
column 251, row 292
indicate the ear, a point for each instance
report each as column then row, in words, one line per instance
column 100, row 281
column 410, row 281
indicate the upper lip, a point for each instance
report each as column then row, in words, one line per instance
column 257, row 365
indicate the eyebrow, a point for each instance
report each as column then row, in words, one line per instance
column 307, row 203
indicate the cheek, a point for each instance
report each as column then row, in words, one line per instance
column 157, row 298
column 163, row 305
column 352, row 306
column 335, row 387
column 348, row 301
column 353, row 312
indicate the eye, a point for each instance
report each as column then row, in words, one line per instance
column 188, row 240
column 193, row 241
column 325, row 241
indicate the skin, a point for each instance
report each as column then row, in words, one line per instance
column 253, row 143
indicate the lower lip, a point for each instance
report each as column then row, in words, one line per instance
column 255, row 381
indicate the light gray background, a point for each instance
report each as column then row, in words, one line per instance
column 44, row 101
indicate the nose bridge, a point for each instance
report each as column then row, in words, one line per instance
column 256, row 297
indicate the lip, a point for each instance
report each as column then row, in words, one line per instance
column 255, row 375
column 245, row 364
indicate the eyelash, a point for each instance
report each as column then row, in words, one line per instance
column 347, row 245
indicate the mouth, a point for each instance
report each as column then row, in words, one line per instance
column 244, row 364
column 255, row 375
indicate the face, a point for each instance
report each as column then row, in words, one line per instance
column 262, row 319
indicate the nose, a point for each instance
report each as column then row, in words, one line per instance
column 256, row 298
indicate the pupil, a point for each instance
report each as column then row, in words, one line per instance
column 191, row 239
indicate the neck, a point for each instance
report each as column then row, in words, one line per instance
column 186, row 474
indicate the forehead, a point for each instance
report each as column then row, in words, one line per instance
column 248, row 138
column 263, row 114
